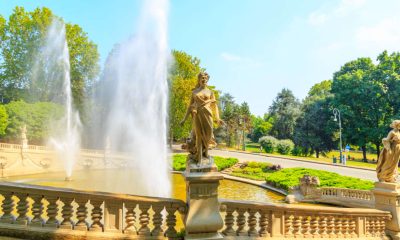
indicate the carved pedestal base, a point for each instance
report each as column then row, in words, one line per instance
column 203, row 219
column 387, row 198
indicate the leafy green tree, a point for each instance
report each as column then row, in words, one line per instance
column 260, row 127
column 37, row 117
column 285, row 110
column 23, row 40
column 182, row 80
column 360, row 98
column 84, row 58
column 3, row 120
column 313, row 131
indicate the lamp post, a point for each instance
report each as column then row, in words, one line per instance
column 336, row 113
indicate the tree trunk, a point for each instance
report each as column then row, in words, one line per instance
column 364, row 150
column 317, row 153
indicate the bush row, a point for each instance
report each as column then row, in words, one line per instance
column 271, row 144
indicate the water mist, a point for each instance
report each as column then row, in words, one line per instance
column 137, row 121
column 54, row 65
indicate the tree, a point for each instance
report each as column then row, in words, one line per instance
column 313, row 131
column 84, row 58
column 360, row 99
column 36, row 116
column 3, row 120
column 23, row 39
column 182, row 80
column 285, row 110
column 260, row 127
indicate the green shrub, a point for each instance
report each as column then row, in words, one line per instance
column 268, row 143
column 223, row 163
column 179, row 162
column 297, row 151
column 289, row 177
column 284, row 146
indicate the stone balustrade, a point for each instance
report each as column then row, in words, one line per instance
column 343, row 197
column 65, row 213
column 254, row 220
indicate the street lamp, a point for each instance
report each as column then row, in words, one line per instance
column 336, row 113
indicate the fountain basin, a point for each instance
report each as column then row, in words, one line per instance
column 124, row 181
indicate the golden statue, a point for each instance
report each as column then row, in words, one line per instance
column 202, row 104
column 389, row 156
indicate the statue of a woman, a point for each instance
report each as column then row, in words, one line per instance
column 389, row 156
column 202, row 104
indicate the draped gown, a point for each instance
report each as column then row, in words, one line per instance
column 202, row 115
column 389, row 158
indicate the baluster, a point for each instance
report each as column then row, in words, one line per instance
column 157, row 220
column 8, row 207
column 264, row 224
column 144, row 220
column 352, row 227
column 331, row 227
column 377, row 227
column 367, row 227
column 37, row 211
column 297, row 226
column 305, row 225
column 171, row 222
column 66, row 213
column 229, row 222
column 130, row 218
column 52, row 211
column 382, row 229
column 81, row 215
column 345, row 227
column 323, row 227
column 252, row 223
column 314, row 226
column 22, row 209
column 289, row 225
column 241, row 221
column 97, row 215
column 338, row 227
column 372, row 226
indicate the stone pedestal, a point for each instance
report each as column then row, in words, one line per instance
column 387, row 198
column 203, row 219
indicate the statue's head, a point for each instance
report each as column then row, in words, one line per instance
column 395, row 124
column 202, row 79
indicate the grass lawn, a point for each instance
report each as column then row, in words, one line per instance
column 357, row 162
column 289, row 177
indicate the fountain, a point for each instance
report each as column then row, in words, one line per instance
column 53, row 65
column 137, row 117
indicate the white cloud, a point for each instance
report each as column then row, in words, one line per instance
column 230, row 57
column 317, row 19
column 345, row 7
column 383, row 35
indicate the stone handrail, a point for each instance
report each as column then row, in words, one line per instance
column 344, row 197
column 290, row 221
column 86, row 213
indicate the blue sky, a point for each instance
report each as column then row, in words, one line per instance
column 251, row 48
